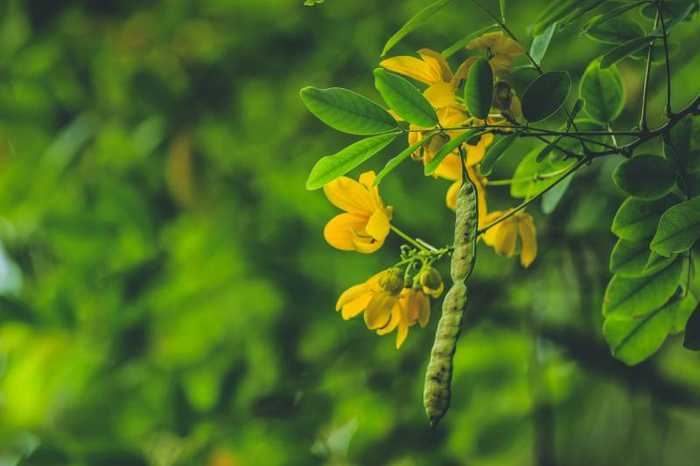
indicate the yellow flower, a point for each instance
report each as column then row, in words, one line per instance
column 413, row 307
column 433, row 70
column 365, row 224
column 503, row 236
column 503, row 49
column 386, row 304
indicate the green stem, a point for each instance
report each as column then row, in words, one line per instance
column 404, row 236
column 523, row 205
column 659, row 9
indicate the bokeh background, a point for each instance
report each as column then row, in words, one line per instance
column 166, row 294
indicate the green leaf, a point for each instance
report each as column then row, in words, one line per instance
column 645, row 176
column 677, row 146
column 603, row 92
column 545, row 95
column 461, row 43
column 553, row 13
column 657, row 262
column 495, row 152
column 679, row 228
column 541, row 42
column 347, row 111
column 692, row 332
column 675, row 10
column 405, row 99
column 637, row 219
column 396, row 161
column 502, row 9
column 614, row 30
column 632, row 340
column 415, row 22
column 621, row 51
column 628, row 258
column 551, row 198
column 447, row 149
column 331, row 167
column 527, row 173
column 614, row 13
column 478, row 91
column 632, row 297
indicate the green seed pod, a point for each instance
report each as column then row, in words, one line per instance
column 438, row 377
column 466, row 226
column 478, row 92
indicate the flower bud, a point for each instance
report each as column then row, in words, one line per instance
column 391, row 281
column 431, row 282
column 503, row 96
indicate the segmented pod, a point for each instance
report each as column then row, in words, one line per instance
column 438, row 377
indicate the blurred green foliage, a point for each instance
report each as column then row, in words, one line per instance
column 166, row 294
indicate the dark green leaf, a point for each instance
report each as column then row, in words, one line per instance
column 633, row 297
column 405, row 99
column 679, row 228
column 677, row 145
column 478, row 91
column 633, row 340
column 615, row 30
column 347, row 111
column 677, row 10
column 545, row 95
column 495, row 152
column 415, row 22
column 331, row 167
column 692, row 332
column 645, row 176
column 621, row 51
column 637, row 219
column 396, row 161
column 603, row 92
column 447, row 149
column 541, row 42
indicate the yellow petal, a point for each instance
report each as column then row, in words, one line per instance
column 411, row 67
column 366, row 244
column 424, row 314
column 378, row 225
column 451, row 196
column 393, row 322
column 450, row 168
column 437, row 63
column 441, row 95
column 349, row 195
column 402, row 333
column 528, row 240
column 378, row 312
column 352, row 294
column 506, row 237
column 356, row 306
column 340, row 231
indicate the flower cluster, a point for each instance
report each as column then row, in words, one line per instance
column 397, row 299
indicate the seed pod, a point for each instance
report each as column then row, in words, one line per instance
column 438, row 377
column 466, row 225
column 502, row 96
